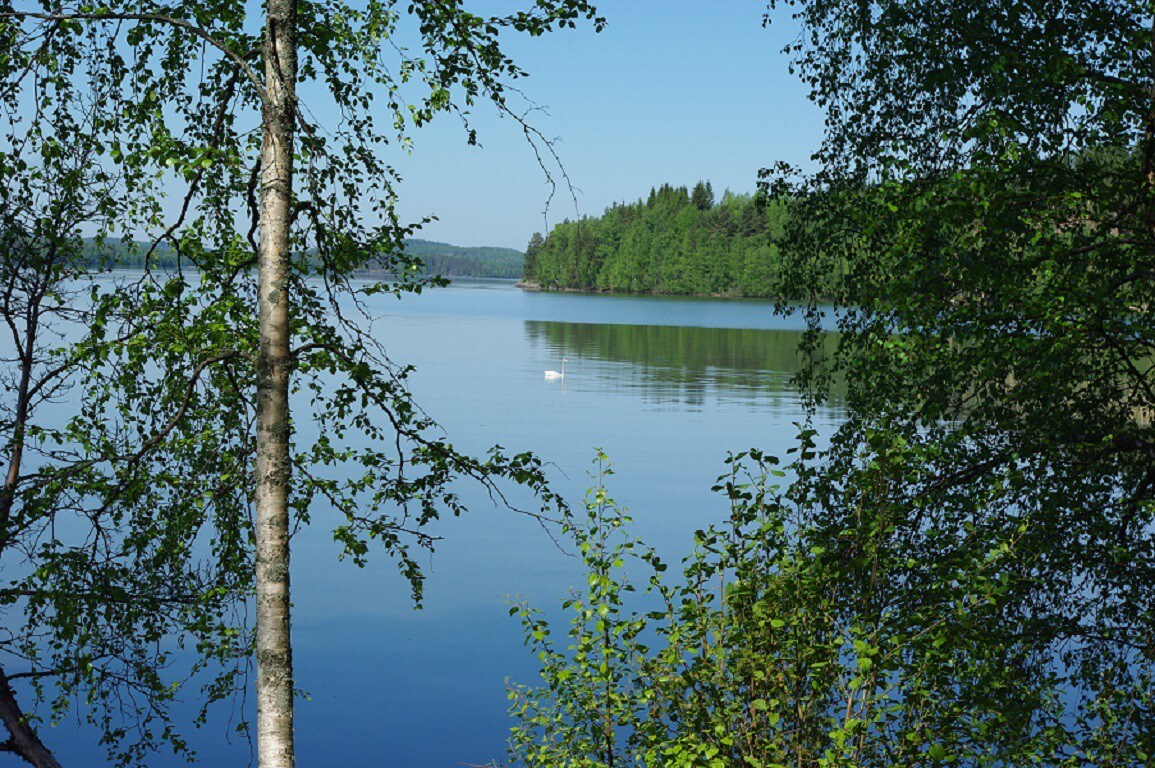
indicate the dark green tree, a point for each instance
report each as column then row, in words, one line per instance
column 115, row 465
column 536, row 241
column 703, row 196
column 984, row 214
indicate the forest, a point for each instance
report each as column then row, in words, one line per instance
column 466, row 261
column 676, row 241
column 434, row 258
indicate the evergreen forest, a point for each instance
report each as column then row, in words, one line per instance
column 676, row 241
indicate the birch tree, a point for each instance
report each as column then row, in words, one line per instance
column 107, row 445
column 982, row 210
column 193, row 112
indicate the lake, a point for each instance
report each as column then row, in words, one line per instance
column 664, row 386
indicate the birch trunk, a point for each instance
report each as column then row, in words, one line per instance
column 274, row 651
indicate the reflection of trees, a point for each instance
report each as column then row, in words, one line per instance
column 679, row 363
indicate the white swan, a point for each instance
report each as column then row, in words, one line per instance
column 557, row 374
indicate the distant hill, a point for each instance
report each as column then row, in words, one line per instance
column 439, row 258
column 467, row 261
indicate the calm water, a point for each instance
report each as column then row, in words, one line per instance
column 665, row 386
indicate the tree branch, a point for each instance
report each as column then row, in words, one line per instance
column 22, row 740
column 237, row 58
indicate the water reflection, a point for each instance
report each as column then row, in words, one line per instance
column 676, row 365
column 665, row 402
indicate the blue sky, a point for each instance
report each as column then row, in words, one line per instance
column 671, row 91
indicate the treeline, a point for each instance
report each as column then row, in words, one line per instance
column 128, row 255
column 438, row 258
column 473, row 261
column 677, row 241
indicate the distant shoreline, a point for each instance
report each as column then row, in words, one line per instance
column 538, row 288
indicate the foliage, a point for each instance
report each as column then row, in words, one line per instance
column 673, row 242
column 983, row 214
column 121, row 518
column 593, row 698
column 824, row 631
column 160, row 108
column 986, row 226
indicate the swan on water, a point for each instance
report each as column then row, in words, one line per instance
column 557, row 374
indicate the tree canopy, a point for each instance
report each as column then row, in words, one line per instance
column 984, row 209
column 676, row 241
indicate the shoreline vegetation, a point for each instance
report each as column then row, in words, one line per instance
column 534, row 287
column 444, row 259
column 677, row 242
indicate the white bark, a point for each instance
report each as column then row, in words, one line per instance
column 274, row 649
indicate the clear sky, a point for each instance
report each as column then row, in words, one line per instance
column 671, row 91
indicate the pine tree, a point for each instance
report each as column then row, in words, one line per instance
column 703, row 196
